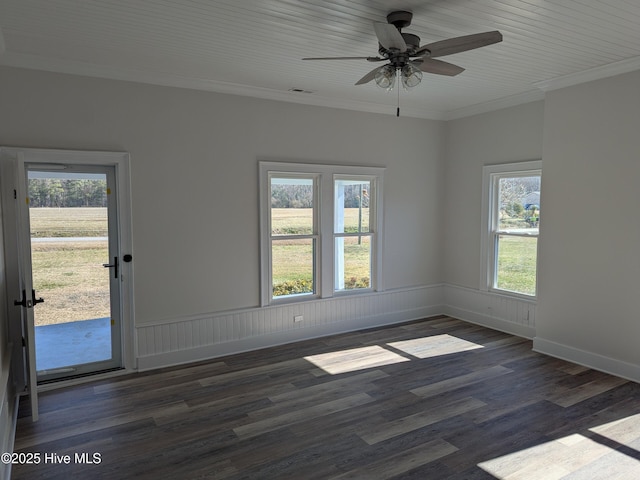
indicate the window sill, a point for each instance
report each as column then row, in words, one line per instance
column 510, row 294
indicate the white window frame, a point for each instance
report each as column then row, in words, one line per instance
column 314, row 235
column 324, row 210
column 491, row 174
column 371, row 233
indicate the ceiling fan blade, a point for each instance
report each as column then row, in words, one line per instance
column 368, row 59
column 431, row 65
column 459, row 44
column 368, row 77
column 389, row 36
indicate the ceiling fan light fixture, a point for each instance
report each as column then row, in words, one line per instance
column 385, row 77
column 411, row 76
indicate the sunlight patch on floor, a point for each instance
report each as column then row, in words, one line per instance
column 613, row 452
column 625, row 431
column 355, row 359
column 375, row 356
column 434, row 346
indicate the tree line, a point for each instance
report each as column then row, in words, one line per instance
column 64, row 193
column 301, row 196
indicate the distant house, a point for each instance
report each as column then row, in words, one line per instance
column 530, row 199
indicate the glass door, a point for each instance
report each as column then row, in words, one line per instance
column 75, row 265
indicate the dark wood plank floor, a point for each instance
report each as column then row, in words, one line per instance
column 435, row 399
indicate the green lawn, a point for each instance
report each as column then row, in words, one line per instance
column 293, row 265
column 517, row 264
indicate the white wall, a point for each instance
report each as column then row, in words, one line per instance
column 503, row 136
column 589, row 274
column 194, row 160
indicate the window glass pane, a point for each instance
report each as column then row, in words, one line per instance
column 293, row 266
column 516, row 264
column 519, row 204
column 352, row 206
column 292, row 206
column 352, row 262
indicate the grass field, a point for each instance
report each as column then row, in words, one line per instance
column 299, row 221
column 292, row 260
column 68, row 222
column 71, row 279
column 69, row 275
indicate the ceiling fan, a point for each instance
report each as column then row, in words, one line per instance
column 407, row 59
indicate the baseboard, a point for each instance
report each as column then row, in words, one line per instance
column 490, row 322
column 588, row 359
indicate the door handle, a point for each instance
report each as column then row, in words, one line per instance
column 113, row 265
column 23, row 302
column 36, row 300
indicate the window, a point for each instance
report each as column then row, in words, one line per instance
column 511, row 211
column 294, row 234
column 352, row 233
column 319, row 230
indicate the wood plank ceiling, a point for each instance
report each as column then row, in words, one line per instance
column 255, row 47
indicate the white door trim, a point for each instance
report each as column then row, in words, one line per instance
column 121, row 162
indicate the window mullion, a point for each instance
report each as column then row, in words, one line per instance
column 326, row 251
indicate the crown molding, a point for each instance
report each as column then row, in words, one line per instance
column 34, row 62
column 497, row 104
column 597, row 73
column 591, row 74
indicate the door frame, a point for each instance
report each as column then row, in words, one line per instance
column 44, row 158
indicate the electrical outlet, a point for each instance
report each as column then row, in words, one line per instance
column 298, row 318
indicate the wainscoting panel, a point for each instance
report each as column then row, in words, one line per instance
column 177, row 341
column 8, row 410
column 513, row 315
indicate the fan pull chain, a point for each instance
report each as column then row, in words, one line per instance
column 398, row 75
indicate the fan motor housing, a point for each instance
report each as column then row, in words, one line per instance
column 400, row 19
column 412, row 41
